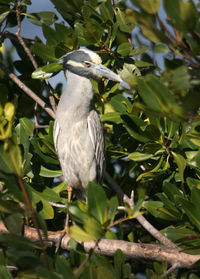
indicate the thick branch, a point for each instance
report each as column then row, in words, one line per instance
column 27, row 90
column 153, row 231
column 131, row 250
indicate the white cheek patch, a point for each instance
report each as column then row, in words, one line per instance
column 75, row 64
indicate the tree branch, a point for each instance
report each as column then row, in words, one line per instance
column 108, row 247
column 28, row 91
column 141, row 219
column 26, row 49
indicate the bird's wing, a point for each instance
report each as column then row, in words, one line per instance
column 96, row 136
column 56, row 131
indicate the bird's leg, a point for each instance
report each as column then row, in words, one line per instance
column 69, row 195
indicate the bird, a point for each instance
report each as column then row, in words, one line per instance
column 78, row 133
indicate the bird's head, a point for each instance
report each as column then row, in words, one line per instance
column 87, row 63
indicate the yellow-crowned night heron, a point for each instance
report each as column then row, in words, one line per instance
column 78, row 134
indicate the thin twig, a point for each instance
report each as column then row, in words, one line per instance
column 27, row 50
column 28, row 91
column 179, row 43
column 32, row 59
column 59, row 205
column 141, row 219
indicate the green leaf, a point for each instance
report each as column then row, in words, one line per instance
column 148, row 95
column 63, row 267
column 18, row 242
column 161, row 48
column 138, row 156
column 97, row 201
column 124, row 49
column 92, row 32
column 193, row 183
column 104, row 272
column 9, row 207
column 119, row 260
column 42, row 17
column 112, row 207
column 150, row 6
column 192, row 211
column 11, row 159
column 47, row 71
column 9, row 111
column 181, row 163
column 181, row 78
column 152, row 207
column 3, row 16
column 4, row 273
column 175, row 234
column 124, row 24
column 44, row 172
column 92, row 227
column 14, row 223
column 106, row 11
column 79, row 234
column 113, row 117
column 45, row 52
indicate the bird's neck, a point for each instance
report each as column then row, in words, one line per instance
column 78, row 95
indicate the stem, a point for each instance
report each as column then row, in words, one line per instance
column 28, row 91
column 34, row 219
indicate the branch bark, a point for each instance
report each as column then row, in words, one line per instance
column 27, row 90
column 141, row 219
column 108, row 247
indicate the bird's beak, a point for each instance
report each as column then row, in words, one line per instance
column 102, row 71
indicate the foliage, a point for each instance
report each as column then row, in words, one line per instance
column 152, row 133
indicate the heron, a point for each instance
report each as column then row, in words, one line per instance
column 78, row 133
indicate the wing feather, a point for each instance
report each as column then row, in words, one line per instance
column 97, row 139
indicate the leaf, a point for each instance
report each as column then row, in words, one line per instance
column 18, row 242
column 92, row 227
column 14, row 223
column 63, row 267
column 191, row 210
column 3, row 16
column 9, row 111
column 119, row 260
column 11, row 159
column 175, row 234
column 193, row 183
column 104, row 272
column 79, row 234
column 161, row 48
column 148, row 95
column 42, row 17
column 114, row 117
column 150, row 6
column 97, row 201
column 124, row 24
column 44, row 172
column 181, row 163
column 124, row 49
column 138, row 156
column 4, row 273
column 152, row 207
column 92, row 32
column 47, row 71
column 46, row 53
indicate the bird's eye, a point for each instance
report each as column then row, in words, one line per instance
column 87, row 64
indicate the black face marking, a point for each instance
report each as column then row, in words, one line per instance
column 77, row 56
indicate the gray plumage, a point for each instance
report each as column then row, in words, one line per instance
column 78, row 134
